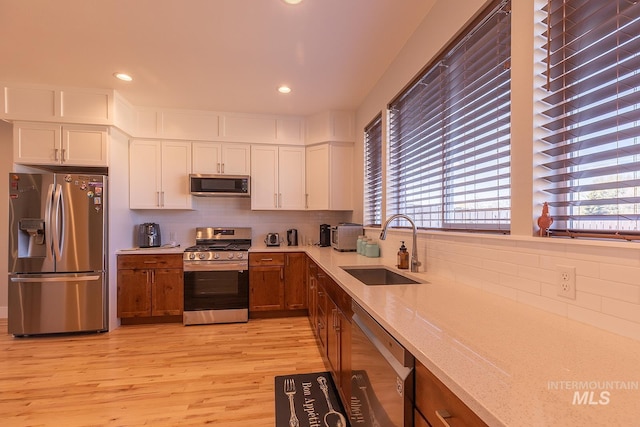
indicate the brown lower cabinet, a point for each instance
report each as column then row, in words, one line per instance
column 150, row 286
column 437, row 405
column 277, row 281
column 330, row 317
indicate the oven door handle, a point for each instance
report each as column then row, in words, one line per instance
column 216, row 266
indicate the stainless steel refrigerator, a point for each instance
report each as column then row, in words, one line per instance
column 57, row 253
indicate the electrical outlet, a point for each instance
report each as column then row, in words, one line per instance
column 566, row 281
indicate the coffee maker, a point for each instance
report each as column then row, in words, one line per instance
column 149, row 235
column 325, row 235
column 292, row 237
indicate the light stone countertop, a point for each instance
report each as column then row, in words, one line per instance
column 151, row 251
column 511, row 363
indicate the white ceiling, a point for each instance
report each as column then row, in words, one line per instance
column 221, row 55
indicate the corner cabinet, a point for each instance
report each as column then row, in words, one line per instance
column 277, row 177
column 329, row 176
column 159, row 174
column 277, row 282
column 221, row 158
column 150, row 286
column 60, row 145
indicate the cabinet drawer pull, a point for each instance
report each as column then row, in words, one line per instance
column 150, row 262
column 442, row 414
column 266, row 259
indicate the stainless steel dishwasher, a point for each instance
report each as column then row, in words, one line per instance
column 382, row 376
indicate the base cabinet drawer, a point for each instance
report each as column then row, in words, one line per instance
column 438, row 405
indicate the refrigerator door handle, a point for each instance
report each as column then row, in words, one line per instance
column 58, row 228
column 52, row 279
column 48, row 231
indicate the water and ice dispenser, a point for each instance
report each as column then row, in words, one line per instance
column 31, row 238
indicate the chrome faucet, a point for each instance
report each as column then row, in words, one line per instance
column 414, row 250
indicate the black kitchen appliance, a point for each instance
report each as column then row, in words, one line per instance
column 149, row 235
column 325, row 235
column 292, row 237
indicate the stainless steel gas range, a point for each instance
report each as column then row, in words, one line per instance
column 216, row 276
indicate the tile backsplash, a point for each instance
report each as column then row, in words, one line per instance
column 236, row 212
column 525, row 270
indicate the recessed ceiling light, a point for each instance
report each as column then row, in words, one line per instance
column 122, row 76
column 292, row 1
column 284, row 89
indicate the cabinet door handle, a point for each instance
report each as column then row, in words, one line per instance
column 222, row 167
column 275, row 200
column 218, row 166
column 281, row 273
column 62, row 152
column 162, row 193
column 442, row 414
column 158, row 198
column 55, row 154
column 279, row 200
column 306, row 201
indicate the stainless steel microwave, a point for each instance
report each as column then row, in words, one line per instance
column 220, row 185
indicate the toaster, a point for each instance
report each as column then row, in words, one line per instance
column 272, row 239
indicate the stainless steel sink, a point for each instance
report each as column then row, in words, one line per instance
column 379, row 275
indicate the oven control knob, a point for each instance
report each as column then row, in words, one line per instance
column 230, row 256
column 240, row 255
column 216, row 256
column 202, row 255
column 192, row 256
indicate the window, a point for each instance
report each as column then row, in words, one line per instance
column 373, row 172
column 592, row 115
column 449, row 133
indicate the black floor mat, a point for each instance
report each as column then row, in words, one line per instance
column 311, row 398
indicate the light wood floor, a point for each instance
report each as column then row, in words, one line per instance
column 154, row 375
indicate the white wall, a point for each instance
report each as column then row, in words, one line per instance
column 519, row 267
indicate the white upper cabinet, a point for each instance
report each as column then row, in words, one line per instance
column 277, row 177
column 221, row 158
column 330, row 126
column 329, row 172
column 55, row 144
column 159, row 175
column 50, row 104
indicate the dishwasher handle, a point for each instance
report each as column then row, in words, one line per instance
column 399, row 358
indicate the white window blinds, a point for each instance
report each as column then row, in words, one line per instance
column 449, row 148
column 592, row 122
column 373, row 172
